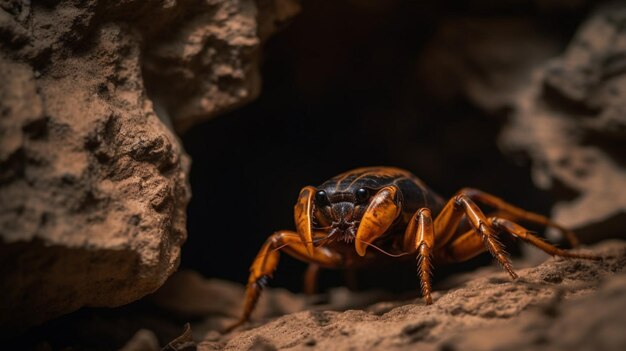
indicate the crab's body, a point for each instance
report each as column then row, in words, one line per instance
column 412, row 194
column 393, row 211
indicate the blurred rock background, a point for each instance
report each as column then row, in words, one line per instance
column 102, row 103
column 500, row 96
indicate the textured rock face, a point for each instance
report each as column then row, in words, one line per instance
column 571, row 121
column 209, row 63
column 485, row 59
column 565, row 110
column 93, row 185
column 561, row 304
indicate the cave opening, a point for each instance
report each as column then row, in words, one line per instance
column 339, row 94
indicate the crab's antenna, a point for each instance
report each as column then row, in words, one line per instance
column 383, row 251
column 304, row 242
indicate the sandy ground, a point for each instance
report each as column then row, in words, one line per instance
column 561, row 304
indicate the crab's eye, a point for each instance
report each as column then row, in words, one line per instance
column 362, row 195
column 321, row 199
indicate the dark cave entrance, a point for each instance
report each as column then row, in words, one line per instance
column 339, row 94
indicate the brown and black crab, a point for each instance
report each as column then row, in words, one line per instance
column 396, row 214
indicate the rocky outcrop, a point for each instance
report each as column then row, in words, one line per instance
column 562, row 111
column 208, row 63
column 562, row 304
column 94, row 187
column 571, row 122
column 93, row 184
column 486, row 59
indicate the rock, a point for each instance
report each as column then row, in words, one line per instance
column 94, row 188
column 564, row 114
column 571, row 122
column 559, row 303
column 567, row 326
column 583, row 309
column 93, row 184
column 188, row 295
column 485, row 59
column 143, row 340
column 487, row 52
column 209, row 63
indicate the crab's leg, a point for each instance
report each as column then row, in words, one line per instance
column 447, row 223
column 518, row 231
column 517, row 213
column 420, row 237
column 310, row 278
column 468, row 244
column 266, row 262
column 462, row 248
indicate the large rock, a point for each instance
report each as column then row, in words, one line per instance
column 485, row 59
column 93, row 184
column 571, row 122
column 208, row 64
column 565, row 112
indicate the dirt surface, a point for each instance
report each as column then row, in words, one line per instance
column 561, row 304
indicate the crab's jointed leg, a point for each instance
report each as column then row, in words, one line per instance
column 266, row 262
column 518, row 231
column 447, row 223
column 420, row 237
column 310, row 278
column 483, row 235
column 468, row 244
column 517, row 213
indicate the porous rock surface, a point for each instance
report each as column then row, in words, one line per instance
column 562, row 111
column 208, row 63
column 571, row 122
column 93, row 184
column 562, row 304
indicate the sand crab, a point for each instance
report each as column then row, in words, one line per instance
column 395, row 213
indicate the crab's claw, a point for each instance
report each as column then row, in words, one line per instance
column 380, row 214
column 302, row 216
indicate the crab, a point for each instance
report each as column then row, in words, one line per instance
column 396, row 214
